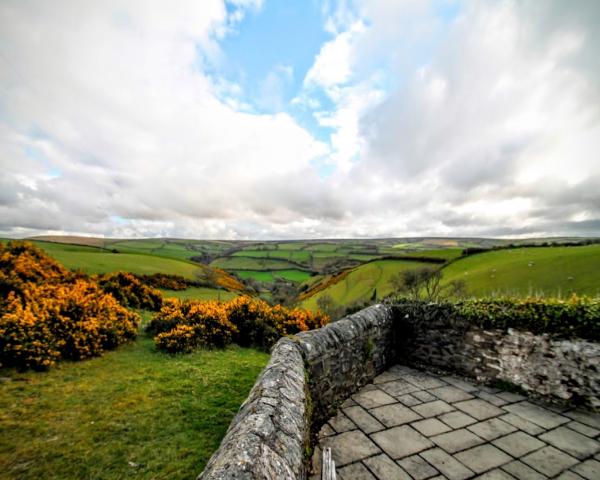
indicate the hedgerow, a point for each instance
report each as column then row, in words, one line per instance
column 184, row 325
column 48, row 313
column 576, row 317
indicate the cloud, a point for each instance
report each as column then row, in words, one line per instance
column 444, row 118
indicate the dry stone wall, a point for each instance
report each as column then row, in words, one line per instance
column 307, row 377
column 556, row 369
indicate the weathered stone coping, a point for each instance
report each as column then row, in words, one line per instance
column 307, row 377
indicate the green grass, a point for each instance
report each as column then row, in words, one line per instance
column 95, row 260
column 359, row 285
column 244, row 263
column 88, row 420
column 200, row 293
column 291, row 275
column 445, row 253
column 544, row 271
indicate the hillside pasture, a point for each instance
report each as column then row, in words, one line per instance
column 133, row 413
column 93, row 260
column 200, row 293
column 543, row 271
column 247, row 263
column 358, row 286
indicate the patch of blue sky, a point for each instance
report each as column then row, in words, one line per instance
column 117, row 219
column 40, row 157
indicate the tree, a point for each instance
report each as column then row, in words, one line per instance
column 419, row 284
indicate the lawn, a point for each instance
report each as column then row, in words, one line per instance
column 133, row 413
column 545, row 271
column 246, row 263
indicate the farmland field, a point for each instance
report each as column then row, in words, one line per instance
column 360, row 284
column 545, row 271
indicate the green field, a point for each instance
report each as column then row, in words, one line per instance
column 246, row 263
column 200, row 293
column 544, row 271
column 95, row 260
column 133, row 413
column 291, row 275
column 360, row 284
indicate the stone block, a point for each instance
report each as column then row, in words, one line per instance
column 573, row 443
column 432, row 409
column 430, row 427
column 495, row 474
column 584, row 429
column 590, row 469
column 424, row 396
column 450, row 394
column 518, row 444
column 522, row 424
column 479, row 409
column 456, row 440
column 483, row 458
column 409, row 400
column 588, row 418
column 400, row 442
column 549, row 461
column 398, row 388
column 350, row 447
column 536, row 414
column 372, row 398
column 417, row 467
column 521, row 471
column 395, row 414
column 366, row 422
column 446, row 464
column 457, row 419
column 341, row 423
column 492, row 428
column 384, row 468
column 356, row 471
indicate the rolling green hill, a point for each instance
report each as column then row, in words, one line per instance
column 361, row 282
column 545, row 271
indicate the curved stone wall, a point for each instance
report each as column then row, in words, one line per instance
column 311, row 374
column 307, row 377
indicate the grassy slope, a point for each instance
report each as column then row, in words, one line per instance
column 94, row 260
column 262, row 276
column 199, row 293
column 358, row 286
column 167, row 414
column 508, row 271
column 244, row 263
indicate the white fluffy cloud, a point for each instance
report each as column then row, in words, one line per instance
column 484, row 123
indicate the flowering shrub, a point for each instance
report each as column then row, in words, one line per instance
column 48, row 313
column 183, row 325
column 167, row 281
column 130, row 291
column 245, row 320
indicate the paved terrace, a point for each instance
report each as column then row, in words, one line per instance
column 413, row 425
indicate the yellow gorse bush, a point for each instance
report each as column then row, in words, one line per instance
column 181, row 326
column 48, row 313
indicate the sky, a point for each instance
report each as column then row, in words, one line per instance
column 272, row 119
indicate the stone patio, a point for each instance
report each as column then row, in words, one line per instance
column 414, row 425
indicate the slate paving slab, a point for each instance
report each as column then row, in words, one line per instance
column 399, row 442
column 483, row 458
column 521, row 471
column 417, row 467
column 492, row 428
column 373, row 398
column 518, row 444
column 573, row 443
column 384, row 468
column 479, row 409
column 446, row 464
column 363, row 420
column 432, row 409
column 416, row 426
column 536, row 414
column 393, row 415
column 549, row 461
column 350, row 447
